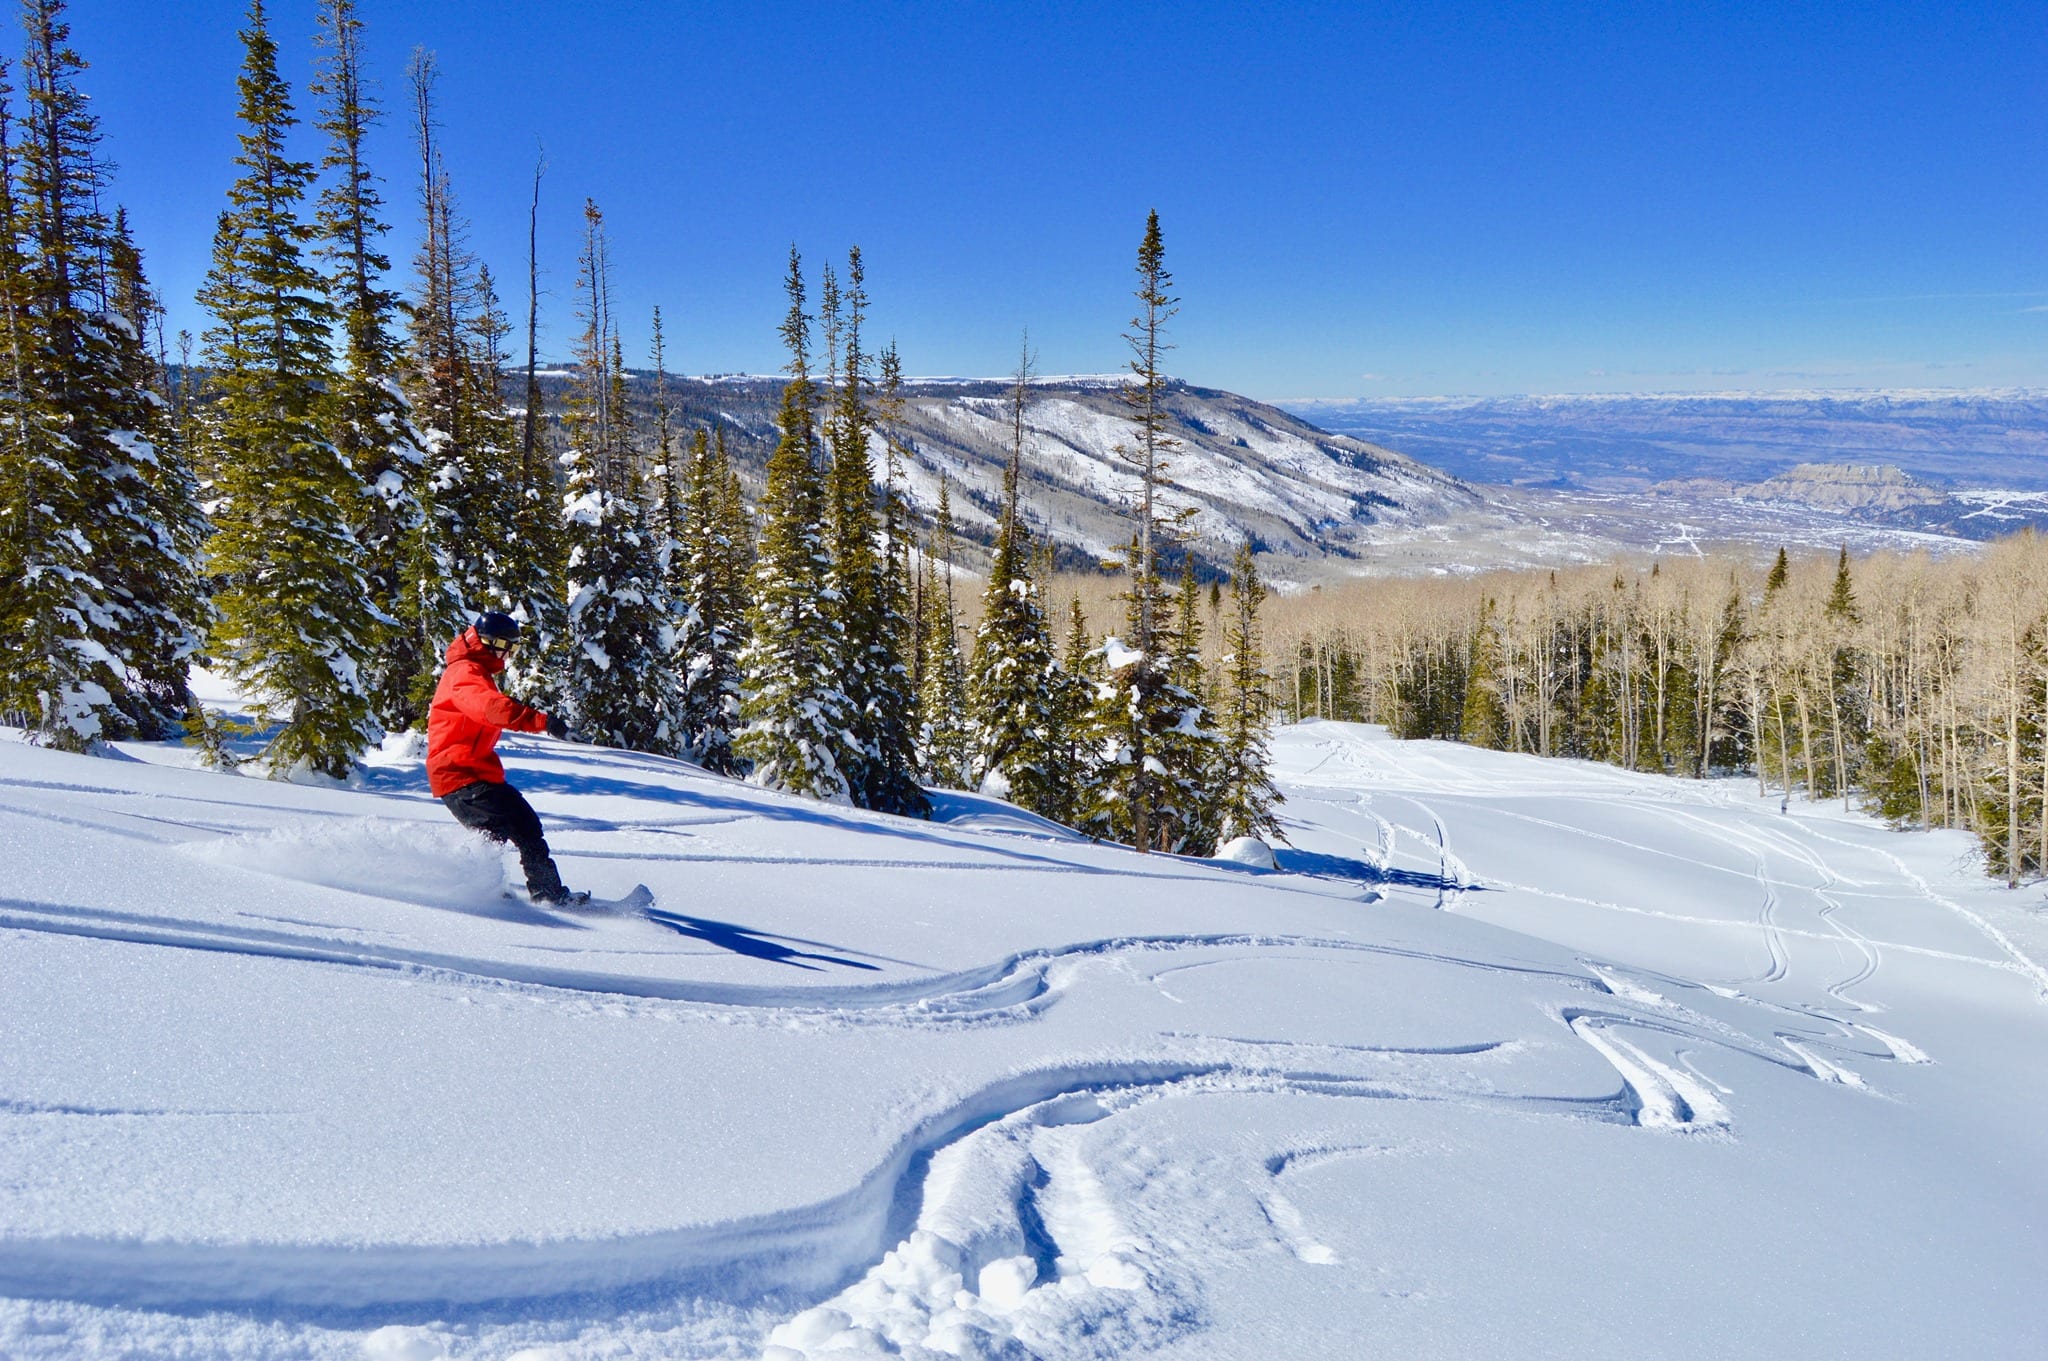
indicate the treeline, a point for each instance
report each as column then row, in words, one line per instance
column 1915, row 686
column 348, row 486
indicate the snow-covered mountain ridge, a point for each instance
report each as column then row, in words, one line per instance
column 1510, row 1057
column 1244, row 468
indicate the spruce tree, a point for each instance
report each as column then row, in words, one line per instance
column 156, row 574
column 1072, row 758
column 1483, row 722
column 880, row 764
column 944, row 743
column 19, row 704
column 712, row 589
column 77, row 459
column 902, row 609
column 1187, row 748
column 1244, row 791
column 798, row 720
column 618, row 685
column 367, row 416
column 295, row 626
column 1010, row 684
column 1133, row 706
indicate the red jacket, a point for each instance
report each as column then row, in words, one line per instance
column 467, row 716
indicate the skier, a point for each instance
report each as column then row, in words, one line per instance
column 468, row 715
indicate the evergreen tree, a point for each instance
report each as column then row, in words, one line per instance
column 295, row 625
column 156, row 574
column 1484, row 720
column 1010, row 681
column 901, row 608
column 82, row 606
column 880, row 765
column 946, row 746
column 1133, row 705
column 712, row 587
column 367, row 416
column 798, row 720
column 1244, row 792
column 1071, row 763
column 20, row 448
column 1187, row 749
column 618, row 685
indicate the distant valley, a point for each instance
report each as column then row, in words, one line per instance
column 1955, row 440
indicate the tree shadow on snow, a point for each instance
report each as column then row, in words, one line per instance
column 1365, row 872
column 753, row 944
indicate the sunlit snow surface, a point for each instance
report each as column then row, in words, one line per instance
column 1511, row 1058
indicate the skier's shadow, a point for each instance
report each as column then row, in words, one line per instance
column 752, row 944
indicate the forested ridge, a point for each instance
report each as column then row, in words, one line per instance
column 1912, row 685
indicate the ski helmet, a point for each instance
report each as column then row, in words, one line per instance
column 495, row 625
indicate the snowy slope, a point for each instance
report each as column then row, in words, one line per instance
column 1513, row 1058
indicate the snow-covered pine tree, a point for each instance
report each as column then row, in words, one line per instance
column 1188, row 747
column 1010, row 677
column 1133, row 706
column 1244, row 793
column 881, row 767
column 902, row 606
column 76, row 466
column 493, row 442
column 617, row 682
column 157, row 574
column 18, row 702
column 1072, row 759
column 295, row 626
column 797, row 718
column 712, row 585
column 945, row 745
column 667, row 482
column 368, row 417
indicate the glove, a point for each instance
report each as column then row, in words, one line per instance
column 557, row 729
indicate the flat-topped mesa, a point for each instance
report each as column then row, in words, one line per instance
column 1845, row 486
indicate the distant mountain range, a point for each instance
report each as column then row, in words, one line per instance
column 1452, row 484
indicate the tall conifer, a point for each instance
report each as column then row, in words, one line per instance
column 77, row 462
column 946, row 746
column 798, row 720
column 368, row 417
column 881, row 764
column 157, row 573
column 618, row 685
column 1010, row 680
column 1245, row 797
column 1133, row 706
column 295, row 625
column 712, row 594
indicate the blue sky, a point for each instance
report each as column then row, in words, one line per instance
column 1357, row 200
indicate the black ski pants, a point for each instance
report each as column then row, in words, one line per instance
column 502, row 813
